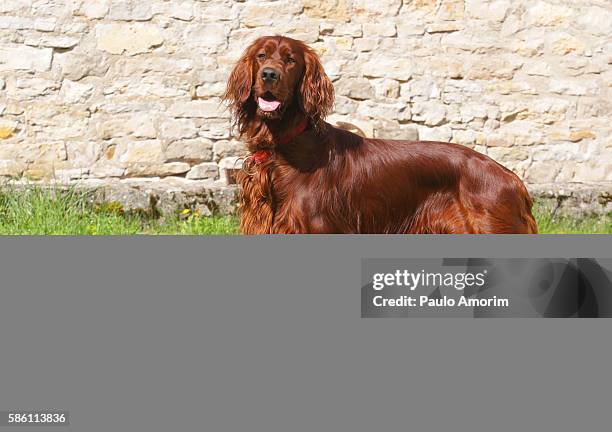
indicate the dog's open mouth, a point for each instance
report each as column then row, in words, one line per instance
column 267, row 102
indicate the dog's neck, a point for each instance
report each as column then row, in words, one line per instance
column 264, row 134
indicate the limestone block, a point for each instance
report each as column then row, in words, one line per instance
column 53, row 41
column 42, row 152
column 153, row 87
column 185, row 10
column 8, row 128
column 206, row 170
column 519, row 132
column 190, row 150
column 543, row 171
column 594, row 171
column 441, row 133
column 73, row 92
column 39, row 171
column 432, row 113
column 11, row 168
column 444, row 27
column 508, row 154
column 15, row 23
column 344, row 105
column 547, row 14
column 379, row 29
column 156, row 170
column 94, row 9
column 215, row 129
column 21, row 57
column 365, row 44
column 215, row 11
column 450, row 10
column 387, row 88
column 206, row 90
column 465, row 137
column 424, row 87
column 34, row 87
column 233, row 162
column 129, row 38
column 69, row 174
column 537, row 67
column 138, row 125
column 45, row 24
column 410, row 29
column 381, row 8
column 574, row 87
column 581, row 134
column 209, row 108
column 149, row 151
column 564, row 43
column 228, row 148
column 355, row 88
column 210, row 37
column 330, row 9
column 470, row 111
column 446, row 68
column 129, row 10
column 82, row 152
column 397, row 68
column 174, row 129
column 379, row 110
column 75, row 66
column 303, row 28
column 163, row 65
column 259, row 14
column 340, row 29
column 494, row 11
column 106, row 171
column 595, row 19
column 389, row 130
column 14, row 5
column 492, row 68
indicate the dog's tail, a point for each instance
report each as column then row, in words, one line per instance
column 351, row 128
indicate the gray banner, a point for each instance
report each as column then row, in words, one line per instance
column 265, row 334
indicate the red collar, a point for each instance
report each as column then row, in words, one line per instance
column 261, row 156
column 293, row 133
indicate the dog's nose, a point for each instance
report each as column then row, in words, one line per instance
column 269, row 74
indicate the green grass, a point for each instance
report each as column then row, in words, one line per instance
column 40, row 211
column 548, row 223
column 196, row 225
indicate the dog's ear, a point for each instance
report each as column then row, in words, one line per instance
column 316, row 90
column 240, row 81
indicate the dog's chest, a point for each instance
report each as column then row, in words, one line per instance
column 296, row 189
column 302, row 200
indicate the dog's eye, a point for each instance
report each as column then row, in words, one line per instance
column 290, row 60
column 261, row 56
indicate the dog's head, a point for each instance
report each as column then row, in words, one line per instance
column 275, row 76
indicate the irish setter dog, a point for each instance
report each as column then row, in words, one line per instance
column 306, row 176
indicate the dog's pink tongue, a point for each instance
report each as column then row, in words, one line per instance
column 265, row 105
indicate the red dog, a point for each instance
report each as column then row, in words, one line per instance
column 305, row 176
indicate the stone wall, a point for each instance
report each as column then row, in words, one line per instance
column 101, row 90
